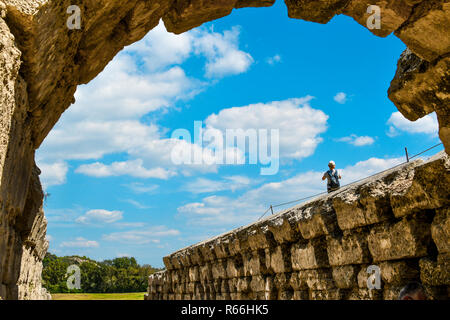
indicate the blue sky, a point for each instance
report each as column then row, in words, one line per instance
column 115, row 191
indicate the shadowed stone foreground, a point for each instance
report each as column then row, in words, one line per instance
column 398, row 220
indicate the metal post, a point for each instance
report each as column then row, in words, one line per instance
column 271, row 208
column 407, row 156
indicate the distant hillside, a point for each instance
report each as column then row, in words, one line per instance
column 108, row 276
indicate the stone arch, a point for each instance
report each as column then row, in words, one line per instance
column 42, row 63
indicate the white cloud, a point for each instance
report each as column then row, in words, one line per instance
column 341, row 97
column 358, row 141
column 53, row 174
column 132, row 168
column 136, row 204
column 234, row 212
column 273, row 60
column 160, row 48
column 139, row 187
column 298, row 123
column 100, row 216
column 232, row 183
column 142, row 236
column 222, row 52
column 107, row 116
column 80, row 242
column 426, row 125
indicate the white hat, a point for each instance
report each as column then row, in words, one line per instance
column 331, row 162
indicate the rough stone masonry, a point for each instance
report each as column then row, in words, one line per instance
column 398, row 221
column 42, row 62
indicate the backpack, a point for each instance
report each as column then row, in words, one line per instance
column 334, row 179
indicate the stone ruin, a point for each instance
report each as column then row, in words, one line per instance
column 42, row 62
column 397, row 221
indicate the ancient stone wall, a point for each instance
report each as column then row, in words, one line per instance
column 398, row 220
column 42, row 62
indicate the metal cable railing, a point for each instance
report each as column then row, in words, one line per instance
column 408, row 158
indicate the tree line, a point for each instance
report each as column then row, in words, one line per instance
column 109, row 276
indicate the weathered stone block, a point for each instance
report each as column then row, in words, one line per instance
column 298, row 281
column 285, row 295
column 278, row 259
column 281, row 281
column 238, row 243
column 405, row 239
column 399, row 272
column 243, row 284
column 435, row 273
column 259, row 238
column 206, row 272
column 235, row 267
column 424, row 191
column 317, row 219
column 194, row 274
column 284, row 230
column 334, row 294
column 349, row 249
column 345, row 276
column 207, row 251
column 362, row 205
column 196, row 257
column 311, row 255
column 257, row 284
column 218, row 269
column 167, row 263
column 254, row 263
column 440, row 230
column 318, row 279
column 221, row 248
column 365, row 294
column 301, row 295
column 232, row 284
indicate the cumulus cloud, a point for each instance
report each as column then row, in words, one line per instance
column 142, row 236
column 100, row 216
column 222, row 52
column 248, row 207
column 298, row 123
column 358, row 141
column 80, row 242
column 107, row 116
column 426, row 125
column 132, row 168
column 53, row 174
column 341, row 97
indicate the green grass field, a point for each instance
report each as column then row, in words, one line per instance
column 99, row 296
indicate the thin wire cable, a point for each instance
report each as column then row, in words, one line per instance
column 354, row 182
column 425, row 151
column 264, row 214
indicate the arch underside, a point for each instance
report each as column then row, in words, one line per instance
column 42, row 63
